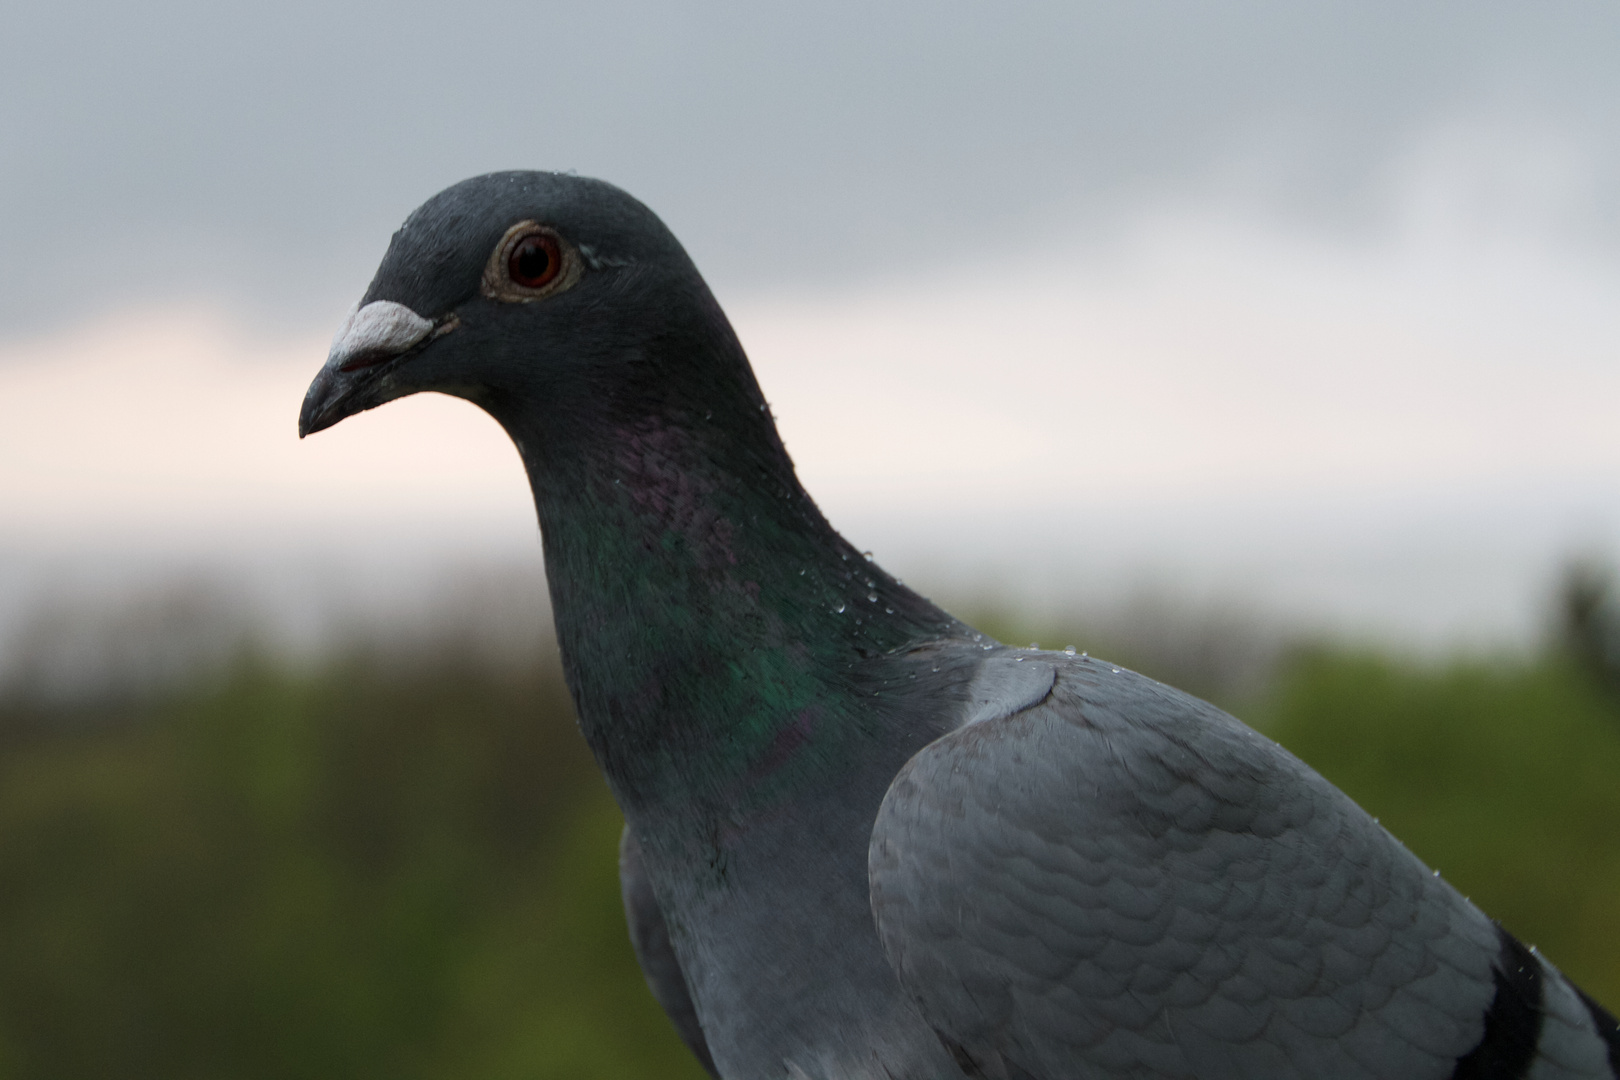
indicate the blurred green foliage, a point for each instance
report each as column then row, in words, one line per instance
column 1504, row 775
column 409, row 870
column 378, row 872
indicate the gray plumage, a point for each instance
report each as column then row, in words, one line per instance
column 863, row 840
column 1127, row 879
column 649, row 937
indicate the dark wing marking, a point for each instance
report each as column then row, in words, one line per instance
column 1513, row 1022
column 1125, row 880
column 650, row 939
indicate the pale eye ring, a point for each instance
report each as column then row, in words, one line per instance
column 531, row 262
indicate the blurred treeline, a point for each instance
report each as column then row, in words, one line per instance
column 404, row 866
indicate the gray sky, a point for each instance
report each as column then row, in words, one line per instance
column 260, row 155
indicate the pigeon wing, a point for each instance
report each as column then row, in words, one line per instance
column 649, row 936
column 1121, row 880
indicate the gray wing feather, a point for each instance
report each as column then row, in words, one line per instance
column 650, row 938
column 1567, row 1050
column 1124, row 878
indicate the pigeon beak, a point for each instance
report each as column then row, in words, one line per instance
column 357, row 375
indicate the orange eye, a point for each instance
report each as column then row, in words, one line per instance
column 535, row 261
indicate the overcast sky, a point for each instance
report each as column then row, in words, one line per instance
column 1311, row 304
column 261, row 154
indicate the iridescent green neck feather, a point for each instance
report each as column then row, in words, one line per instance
column 714, row 628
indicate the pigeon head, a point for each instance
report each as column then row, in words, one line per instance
column 526, row 292
column 675, row 532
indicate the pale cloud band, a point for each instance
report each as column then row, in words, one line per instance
column 1107, row 408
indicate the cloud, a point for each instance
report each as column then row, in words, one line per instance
column 174, row 424
column 1404, row 431
column 258, row 157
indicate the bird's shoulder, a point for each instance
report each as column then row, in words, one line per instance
column 1098, row 868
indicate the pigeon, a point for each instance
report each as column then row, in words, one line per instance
column 862, row 839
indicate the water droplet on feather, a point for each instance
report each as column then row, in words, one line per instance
column 1069, row 649
column 871, row 597
column 839, row 609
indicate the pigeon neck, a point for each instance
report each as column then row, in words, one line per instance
column 714, row 628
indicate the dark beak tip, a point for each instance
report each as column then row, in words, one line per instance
column 311, row 421
column 317, row 413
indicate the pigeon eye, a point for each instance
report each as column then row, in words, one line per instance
column 535, row 261
column 530, row 263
